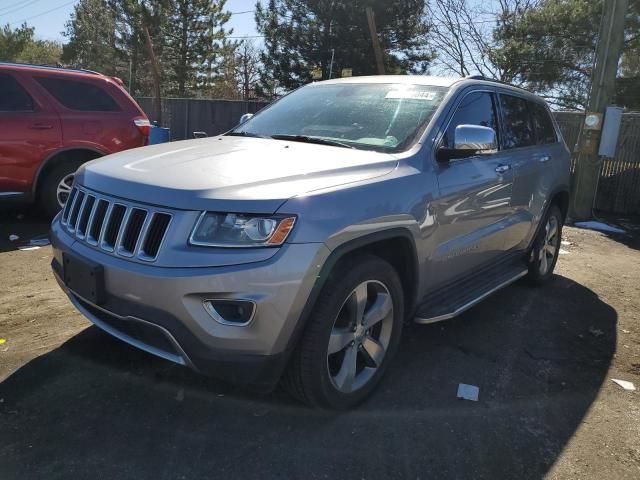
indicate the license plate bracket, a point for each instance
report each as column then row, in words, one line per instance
column 84, row 277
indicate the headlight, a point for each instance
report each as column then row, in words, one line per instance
column 241, row 230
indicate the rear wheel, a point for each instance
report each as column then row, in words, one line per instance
column 546, row 247
column 352, row 334
column 56, row 187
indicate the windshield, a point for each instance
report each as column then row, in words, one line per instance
column 382, row 117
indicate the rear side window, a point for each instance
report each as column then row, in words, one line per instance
column 545, row 133
column 476, row 108
column 79, row 95
column 518, row 131
column 14, row 98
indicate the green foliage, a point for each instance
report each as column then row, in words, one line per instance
column 92, row 38
column 188, row 38
column 20, row 45
column 301, row 34
column 195, row 45
column 550, row 48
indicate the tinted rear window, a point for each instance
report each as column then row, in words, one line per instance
column 518, row 131
column 79, row 95
column 13, row 98
column 542, row 123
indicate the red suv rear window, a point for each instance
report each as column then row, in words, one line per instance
column 79, row 95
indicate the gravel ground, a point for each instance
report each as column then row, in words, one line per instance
column 75, row 403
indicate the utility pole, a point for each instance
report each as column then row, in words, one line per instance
column 375, row 41
column 608, row 51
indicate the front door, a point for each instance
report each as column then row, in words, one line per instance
column 473, row 212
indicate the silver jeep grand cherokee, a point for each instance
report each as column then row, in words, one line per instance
column 294, row 246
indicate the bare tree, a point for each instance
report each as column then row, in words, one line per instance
column 247, row 67
column 462, row 35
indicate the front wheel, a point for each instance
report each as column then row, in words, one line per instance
column 56, row 187
column 351, row 336
column 546, row 248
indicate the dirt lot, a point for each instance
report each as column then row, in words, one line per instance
column 75, row 403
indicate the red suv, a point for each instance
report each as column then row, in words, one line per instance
column 54, row 119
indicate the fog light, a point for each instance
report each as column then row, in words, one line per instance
column 231, row 312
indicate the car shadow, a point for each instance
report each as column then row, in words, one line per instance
column 95, row 407
column 25, row 223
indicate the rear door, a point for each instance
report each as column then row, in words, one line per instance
column 29, row 132
column 93, row 112
column 474, row 208
column 523, row 132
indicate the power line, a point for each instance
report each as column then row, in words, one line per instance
column 20, row 7
column 48, row 11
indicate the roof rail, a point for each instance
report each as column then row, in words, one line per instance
column 487, row 79
column 48, row 66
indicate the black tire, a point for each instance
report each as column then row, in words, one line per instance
column 537, row 275
column 48, row 192
column 308, row 376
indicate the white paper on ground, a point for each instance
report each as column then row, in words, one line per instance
column 27, row 249
column 624, row 384
column 602, row 227
column 468, row 392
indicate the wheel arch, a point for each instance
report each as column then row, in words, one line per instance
column 67, row 154
column 380, row 244
column 559, row 197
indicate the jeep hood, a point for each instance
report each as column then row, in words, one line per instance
column 253, row 175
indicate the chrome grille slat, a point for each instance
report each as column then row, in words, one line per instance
column 69, row 205
column 96, row 220
column 76, row 212
column 144, row 231
column 84, row 215
column 105, row 222
column 121, row 230
column 94, row 206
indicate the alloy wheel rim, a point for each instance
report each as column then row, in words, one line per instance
column 360, row 336
column 64, row 189
column 550, row 246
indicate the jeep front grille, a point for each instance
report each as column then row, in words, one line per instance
column 115, row 226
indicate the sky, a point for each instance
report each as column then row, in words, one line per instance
column 49, row 16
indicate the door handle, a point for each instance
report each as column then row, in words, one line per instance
column 545, row 158
column 41, row 126
column 500, row 169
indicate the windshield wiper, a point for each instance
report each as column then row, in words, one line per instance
column 245, row 134
column 307, row 139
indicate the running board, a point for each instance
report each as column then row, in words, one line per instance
column 450, row 302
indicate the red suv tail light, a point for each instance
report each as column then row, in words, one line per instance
column 144, row 125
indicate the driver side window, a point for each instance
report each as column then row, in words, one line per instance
column 477, row 108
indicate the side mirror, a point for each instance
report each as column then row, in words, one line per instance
column 245, row 117
column 470, row 140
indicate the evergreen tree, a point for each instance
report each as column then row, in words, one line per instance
column 550, row 49
column 195, row 44
column 300, row 36
column 92, row 38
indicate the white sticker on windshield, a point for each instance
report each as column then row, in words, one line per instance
column 411, row 94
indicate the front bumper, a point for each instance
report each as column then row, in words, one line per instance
column 160, row 309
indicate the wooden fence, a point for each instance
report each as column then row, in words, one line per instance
column 183, row 116
column 619, row 183
column 618, row 188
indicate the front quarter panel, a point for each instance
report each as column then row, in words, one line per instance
column 400, row 200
